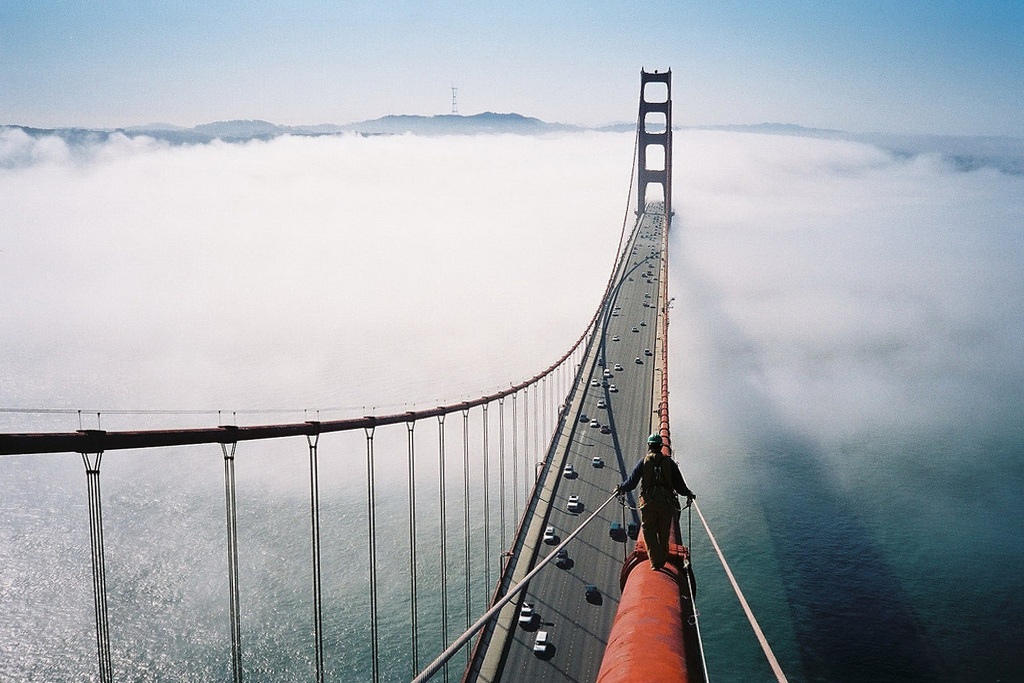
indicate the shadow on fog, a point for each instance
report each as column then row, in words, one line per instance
column 851, row 617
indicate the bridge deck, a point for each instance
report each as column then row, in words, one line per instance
column 578, row 626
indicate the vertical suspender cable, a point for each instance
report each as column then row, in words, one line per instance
column 501, row 467
column 525, row 442
column 414, row 615
column 546, row 423
column 314, row 516
column 99, row 571
column 465, row 516
column 371, row 505
column 232, row 541
column 540, row 415
column 515, row 462
column 540, row 408
column 487, row 506
column 444, row 535
column 536, row 422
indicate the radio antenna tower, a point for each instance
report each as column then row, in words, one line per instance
column 455, row 100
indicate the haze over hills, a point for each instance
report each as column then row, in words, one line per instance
column 965, row 152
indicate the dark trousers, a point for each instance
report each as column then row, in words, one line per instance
column 656, row 519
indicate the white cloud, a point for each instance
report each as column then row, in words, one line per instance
column 301, row 272
column 849, row 288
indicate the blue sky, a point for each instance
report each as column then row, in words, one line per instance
column 866, row 65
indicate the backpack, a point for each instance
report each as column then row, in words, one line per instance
column 656, row 479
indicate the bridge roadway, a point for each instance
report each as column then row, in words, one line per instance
column 578, row 625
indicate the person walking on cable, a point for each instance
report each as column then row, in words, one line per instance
column 660, row 480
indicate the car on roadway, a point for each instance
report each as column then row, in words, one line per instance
column 605, row 429
column 540, row 643
column 591, row 592
column 597, row 462
column 561, row 558
column 595, row 382
column 647, row 352
column 638, row 361
column 584, row 418
column 549, row 534
column 574, row 503
column 636, row 329
column 606, row 373
column 601, row 403
column 526, row 614
column 594, row 424
column 618, row 367
column 643, row 323
column 569, row 471
column 612, row 389
column 615, row 338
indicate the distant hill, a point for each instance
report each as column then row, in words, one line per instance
column 454, row 124
column 241, row 130
column 964, row 152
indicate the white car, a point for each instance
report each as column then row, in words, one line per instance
column 526, row 614
column 549, row 534
column 601, row 403
column 636, row 329
column 595, row 424
column 616, row 337
column 574, row 503
column 612, row 389
column 569, row 471
column 595, row 382
column 540, row 644
column 607, row 373
column 597, row 462
column 638, row 361
column 618, row 367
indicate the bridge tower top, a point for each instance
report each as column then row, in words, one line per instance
column 655, row 135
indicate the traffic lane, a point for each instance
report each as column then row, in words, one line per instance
column 578, row 627
column 590, row 620
column 596, row 557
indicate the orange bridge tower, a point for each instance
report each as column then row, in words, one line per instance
column 655, row 137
